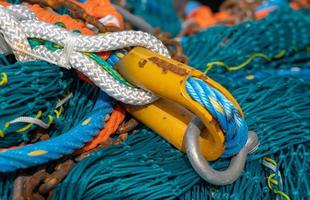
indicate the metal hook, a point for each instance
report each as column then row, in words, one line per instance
column 202, row 166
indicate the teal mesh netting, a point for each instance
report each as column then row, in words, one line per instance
column 6, row 185
column 251, row 44
column 127, row 169
column 273, row 90
column 143, row 167
column 271, row 82
column 81, row 103
column 293, row 162
column 26, row 93
column 25, row 80
column 160, row 14
column 274, row 94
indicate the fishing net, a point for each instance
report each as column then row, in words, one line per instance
column 130, row 171
column 143, row 167
column 251, row 185
column 265, row 64
column 159, row 14
column 81, row 103
column 26, row 84
column 6, row 185
column 252, row 44
column 274, row 95
column 27, row 93
column 293, row 162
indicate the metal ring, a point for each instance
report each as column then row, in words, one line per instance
column 202, row 166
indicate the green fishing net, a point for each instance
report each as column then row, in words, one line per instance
column 265, row 64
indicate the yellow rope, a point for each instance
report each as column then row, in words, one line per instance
column 245, row 63
column 4, row 79
column 275, row 182
column 271, row 181
column 270, row 160
column 50, row 119
column 58, row 113
column 1, row 133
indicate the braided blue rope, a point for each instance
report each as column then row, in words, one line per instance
column 42, row 152
column 228, row 116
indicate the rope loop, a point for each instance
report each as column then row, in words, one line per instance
column 18, row 31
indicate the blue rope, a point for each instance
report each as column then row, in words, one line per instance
column 113, row 59
column 42, row 152
column 228, row 116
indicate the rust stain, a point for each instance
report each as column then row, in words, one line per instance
column 167, row 66
column 142, row 63
column 128, row 126
column 203, row 77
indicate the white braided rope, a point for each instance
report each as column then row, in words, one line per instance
column 101, row 78
column 9, row 27
column 30, row 120
column 38, row 122
column 16, row 33
column 22, row 12
column 93, row 43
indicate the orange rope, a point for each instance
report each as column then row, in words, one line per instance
column 116, row 118
column 100, row 9
column 4, row 3
column 70, row 23
column 203, row 17
column 52, row 18
column 96, row 8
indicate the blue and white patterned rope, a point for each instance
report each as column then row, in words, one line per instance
column 45, row 151
column 228, row 116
